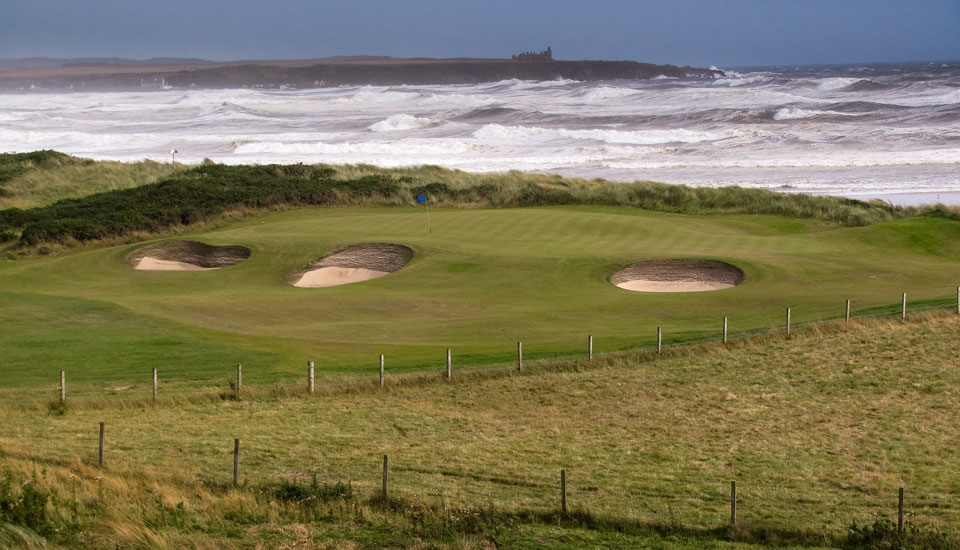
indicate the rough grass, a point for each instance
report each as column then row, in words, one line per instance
column 516, row 188
column 29, row 180
column 819, row 431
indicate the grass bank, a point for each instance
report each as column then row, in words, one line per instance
column 184, row 198
column 40, row 178
column 818, row 430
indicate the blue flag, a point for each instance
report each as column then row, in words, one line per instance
column 421, row 198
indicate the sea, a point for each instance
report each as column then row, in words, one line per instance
column 865, row 131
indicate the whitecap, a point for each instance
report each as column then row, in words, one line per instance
column 602, row 93
column 794, row 113
column 740, row 81
column 836, row 83
column 400, row 122
column 637, row 137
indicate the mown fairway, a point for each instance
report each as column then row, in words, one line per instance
column 481, row 281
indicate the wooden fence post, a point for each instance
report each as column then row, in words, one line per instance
column 903, row 309
column 958, row 299
column 384, row 492
column 848, row 311
column 563, row 492
column 154, row 383
column 519, row 356
column 63, row 387
column 236, row 462
column 733, row 503
column 900, row 512
column 381, row 370
column 239, row 378
column 659, row 340
column 788, row 322
column 310, row 377
column 590, row 347
column 449, row 366
column 100, row 453
column 724, row 330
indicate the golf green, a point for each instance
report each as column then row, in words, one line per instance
column 479, row 282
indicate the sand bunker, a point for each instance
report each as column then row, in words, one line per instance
column 360, row 262
column 678, row 276
column 186, row 256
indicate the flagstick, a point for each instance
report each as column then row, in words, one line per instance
column 429, row 225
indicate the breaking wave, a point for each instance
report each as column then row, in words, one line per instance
column 869, row 127
column 399, row 122
column 794, row 113
column 837, row 83
column 639, row 137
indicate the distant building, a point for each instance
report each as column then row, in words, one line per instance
column 545, row 55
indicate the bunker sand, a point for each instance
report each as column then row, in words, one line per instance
column 353, row 264
column 186, row 256
column 679, row 275
column 149, row 263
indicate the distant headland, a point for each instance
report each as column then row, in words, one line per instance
column 117, row 74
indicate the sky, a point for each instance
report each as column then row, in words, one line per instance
column 725, row 33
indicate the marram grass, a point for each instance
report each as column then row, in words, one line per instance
column 40, row 178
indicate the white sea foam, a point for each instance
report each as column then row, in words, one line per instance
column 836, row 83
column 376, row 94
column 738, row 81
column 408, row 148
column 400, row 122
column 607, row 92
column 793, row 113
column 640, row 137
column 462, row 101
column 756, row 128
column 926, row 100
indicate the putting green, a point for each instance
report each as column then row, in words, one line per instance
column 478, row 283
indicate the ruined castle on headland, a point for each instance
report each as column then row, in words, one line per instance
column 545, row 55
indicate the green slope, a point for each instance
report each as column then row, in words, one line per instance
column 479, row 282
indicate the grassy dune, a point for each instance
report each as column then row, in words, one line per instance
column 819, row 431
column 479, row 282
column 29, row 180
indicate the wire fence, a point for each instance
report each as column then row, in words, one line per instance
column 796, row 507
column 640, row 499
column 529, row 354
